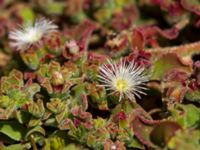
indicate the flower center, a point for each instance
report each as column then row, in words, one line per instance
column 121, row 85
column 33, row 35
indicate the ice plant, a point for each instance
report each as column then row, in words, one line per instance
column 125, row 79
column 58, row 91
column 29, row 34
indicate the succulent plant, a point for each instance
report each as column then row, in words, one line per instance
column 99, row 74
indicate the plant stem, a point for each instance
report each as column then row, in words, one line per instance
column 184, row 50
column 33, row 142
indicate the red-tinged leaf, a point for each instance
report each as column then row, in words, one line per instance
column 137, row 41
column 29, row 75
column 191, row 5
column 162, row 132
column 77, row 122
column 150, row 32
column 174, row 84
column 148, row 121
column 119, row 117
column 142, row 125
column 197, row 23
column 56, row 105
column 88, row 125
column 112, row 128
column 124, row 19
column 173, row 7
column 65, row 124
column 71, row 50
column 168, row 33
column 53, row 42
column 117, row 44
column 110, row 145
column 94, row 57
column 142, row 131
column 78, row 112
column 3, row 25
column 84, row 102
column 81, row 33
column 176, row 75
column 141, row 57
column 176, row 93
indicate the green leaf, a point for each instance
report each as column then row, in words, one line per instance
column 60, row 140
column 27, row 14
column 12, row 129
column 31, row 60
column 184, row 140
column 22, row 116
column 32, row 89
column 75, row 147
column 55, row 8
column 79, row 90
column 167, row 62
column 99, row 122
column 191, row 117
column 36, row 130
column 17, row 147
column 105, row 12
column 5, row 139
column 193, row 96
column 134, row 143
column 185, row 115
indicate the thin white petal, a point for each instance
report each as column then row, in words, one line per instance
column 27, row 35
column 131, row 73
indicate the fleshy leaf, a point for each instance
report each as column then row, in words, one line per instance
column 162, row 132
column 27, row 14
column 137, row 40
column 142, row 132
column 193, row 96
column 35, row 130
column 167, row 62
column 184, row 139
column 185, row 115
column 30, row 59
column 17, row 147
column 12, row 129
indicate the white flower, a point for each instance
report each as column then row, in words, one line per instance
column 127, row 80
column 29, row 34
